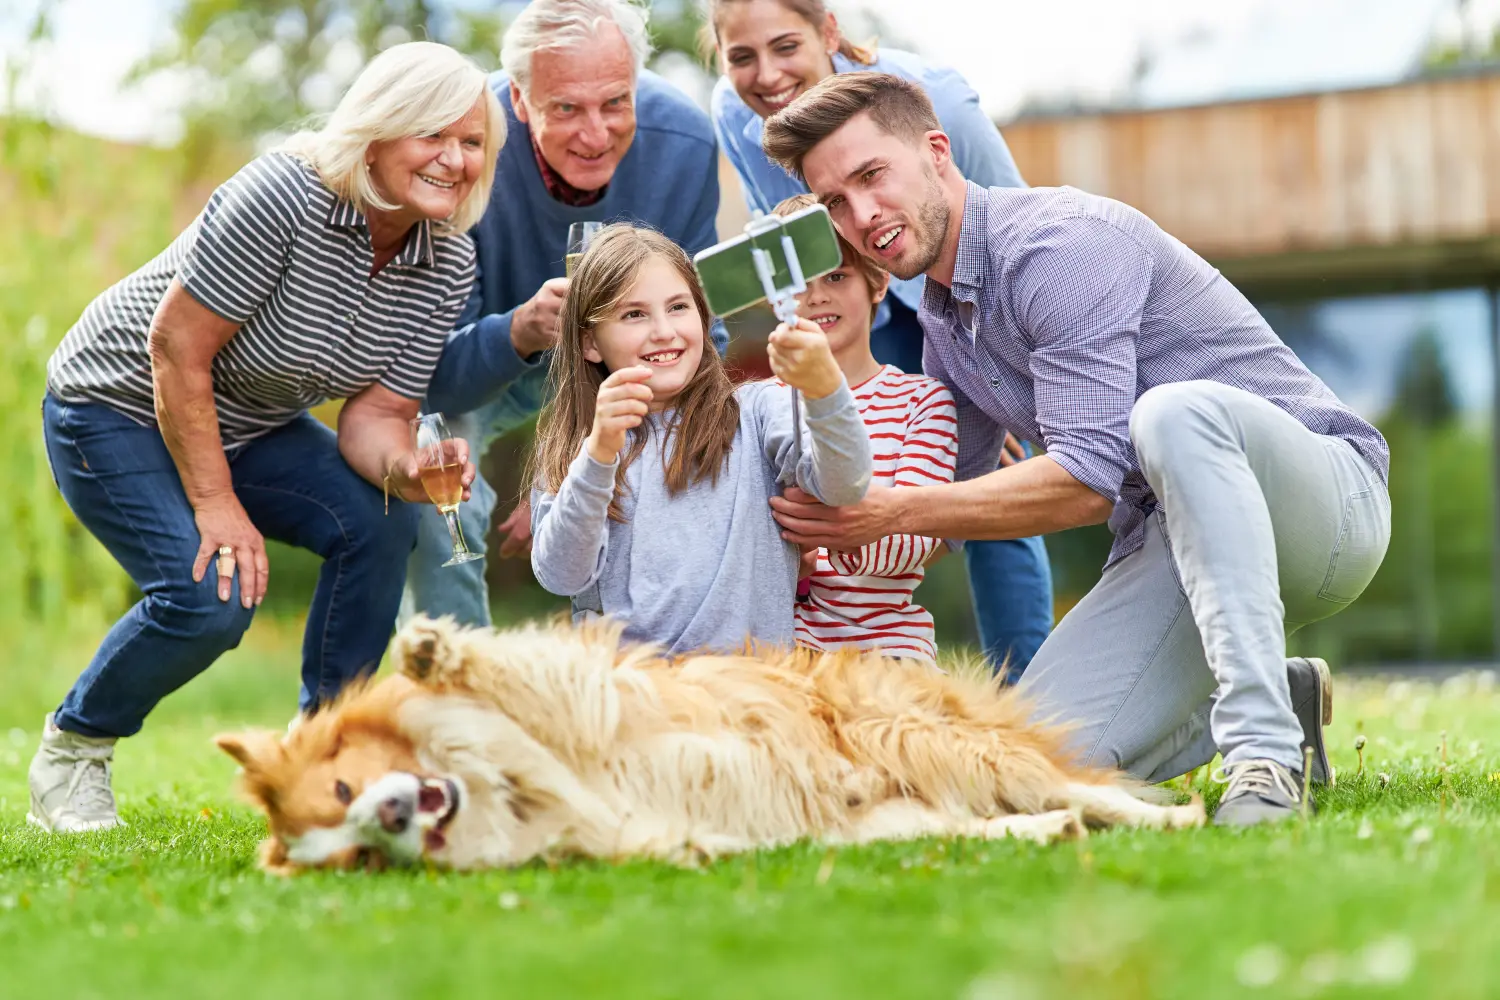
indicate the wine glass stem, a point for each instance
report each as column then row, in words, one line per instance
column 455, row 531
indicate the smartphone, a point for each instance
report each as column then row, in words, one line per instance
column 727, row 270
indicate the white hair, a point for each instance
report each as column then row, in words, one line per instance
column 558, row 24
column 411, row 89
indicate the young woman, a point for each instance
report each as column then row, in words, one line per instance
column 772, row 51
column 863, row 599
column 653, row 472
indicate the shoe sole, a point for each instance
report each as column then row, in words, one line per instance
column 1325, row 714
column 32, row 819
column 1325, row 686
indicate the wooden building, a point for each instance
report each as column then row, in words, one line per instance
column 1352, row 191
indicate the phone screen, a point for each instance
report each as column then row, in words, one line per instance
column 727, row 270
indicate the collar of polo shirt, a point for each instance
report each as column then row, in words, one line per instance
column 418, row 249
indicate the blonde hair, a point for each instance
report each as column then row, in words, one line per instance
column 558, row 24
column 705, row 416
column 814, row 12
column 876, row 277
column 411, row 89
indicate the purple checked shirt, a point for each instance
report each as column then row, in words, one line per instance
column 1065, row 308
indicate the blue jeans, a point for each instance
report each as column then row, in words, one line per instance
column 121, row 483
column 1010, row 582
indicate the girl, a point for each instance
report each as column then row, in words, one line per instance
column 862, row 599
column 654, row 472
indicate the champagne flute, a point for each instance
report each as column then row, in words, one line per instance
column 580, row 235
column 442, row 476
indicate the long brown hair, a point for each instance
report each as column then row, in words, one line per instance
column 705, row 416
column 814, row 12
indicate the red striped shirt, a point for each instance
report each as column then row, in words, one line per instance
column 863, row 598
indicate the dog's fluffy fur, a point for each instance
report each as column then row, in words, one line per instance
column 565, row 741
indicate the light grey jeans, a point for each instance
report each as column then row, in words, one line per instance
column 1179, row 651
column 460, row 591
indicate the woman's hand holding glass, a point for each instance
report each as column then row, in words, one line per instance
column 406, row 473
column 438, row 469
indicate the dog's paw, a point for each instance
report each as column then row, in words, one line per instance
column 688, row 856
column 422, row 647
column 1191, row 815
column 1041, row 828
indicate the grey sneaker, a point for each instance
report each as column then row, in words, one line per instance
column 1260, row 791
column 1312, row 699
column 69, row 777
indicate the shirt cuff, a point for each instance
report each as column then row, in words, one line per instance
column 834, row 402
column 586, row 469
column 509, row 365
column 1099, row 476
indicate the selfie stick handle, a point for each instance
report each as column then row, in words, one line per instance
column 783, row 302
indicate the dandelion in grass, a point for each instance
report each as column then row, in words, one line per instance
column 1387, row 962
column 1260, row 966
column 1359, row 748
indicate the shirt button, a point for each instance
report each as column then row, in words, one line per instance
column 995, row 383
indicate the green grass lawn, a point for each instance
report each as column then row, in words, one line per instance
column 1388, row 892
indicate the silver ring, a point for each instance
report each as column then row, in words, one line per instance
column 226, row 550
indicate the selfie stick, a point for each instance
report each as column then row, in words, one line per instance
column 783, row 302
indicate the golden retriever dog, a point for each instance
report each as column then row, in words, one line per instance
column 492, row 748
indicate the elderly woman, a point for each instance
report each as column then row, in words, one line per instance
column 176, row 410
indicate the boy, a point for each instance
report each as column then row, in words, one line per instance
column 862, row 598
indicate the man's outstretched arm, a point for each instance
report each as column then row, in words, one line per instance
column 1034, row 497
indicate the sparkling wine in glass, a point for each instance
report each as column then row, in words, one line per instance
column 580, row 235
column 442, row 473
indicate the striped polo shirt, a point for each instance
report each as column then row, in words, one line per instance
column 862, row 599
column 278, row 253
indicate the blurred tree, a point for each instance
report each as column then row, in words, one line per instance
column 253, row 67
column 1424, row 394
column 1470, row 48
column 1423, row 403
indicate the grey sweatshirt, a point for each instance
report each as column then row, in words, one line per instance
column 706, row 569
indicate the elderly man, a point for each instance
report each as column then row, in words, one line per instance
column 594, row 137
column 1245, row 499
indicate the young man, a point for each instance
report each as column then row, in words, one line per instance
column 593, row 136
column 1245, row 499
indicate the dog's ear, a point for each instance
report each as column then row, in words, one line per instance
column 273, row 859
column 255, row 749
column 258, row 751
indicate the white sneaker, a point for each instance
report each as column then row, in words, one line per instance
column 69, row 777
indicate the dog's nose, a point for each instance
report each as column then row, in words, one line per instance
column 394, row 814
